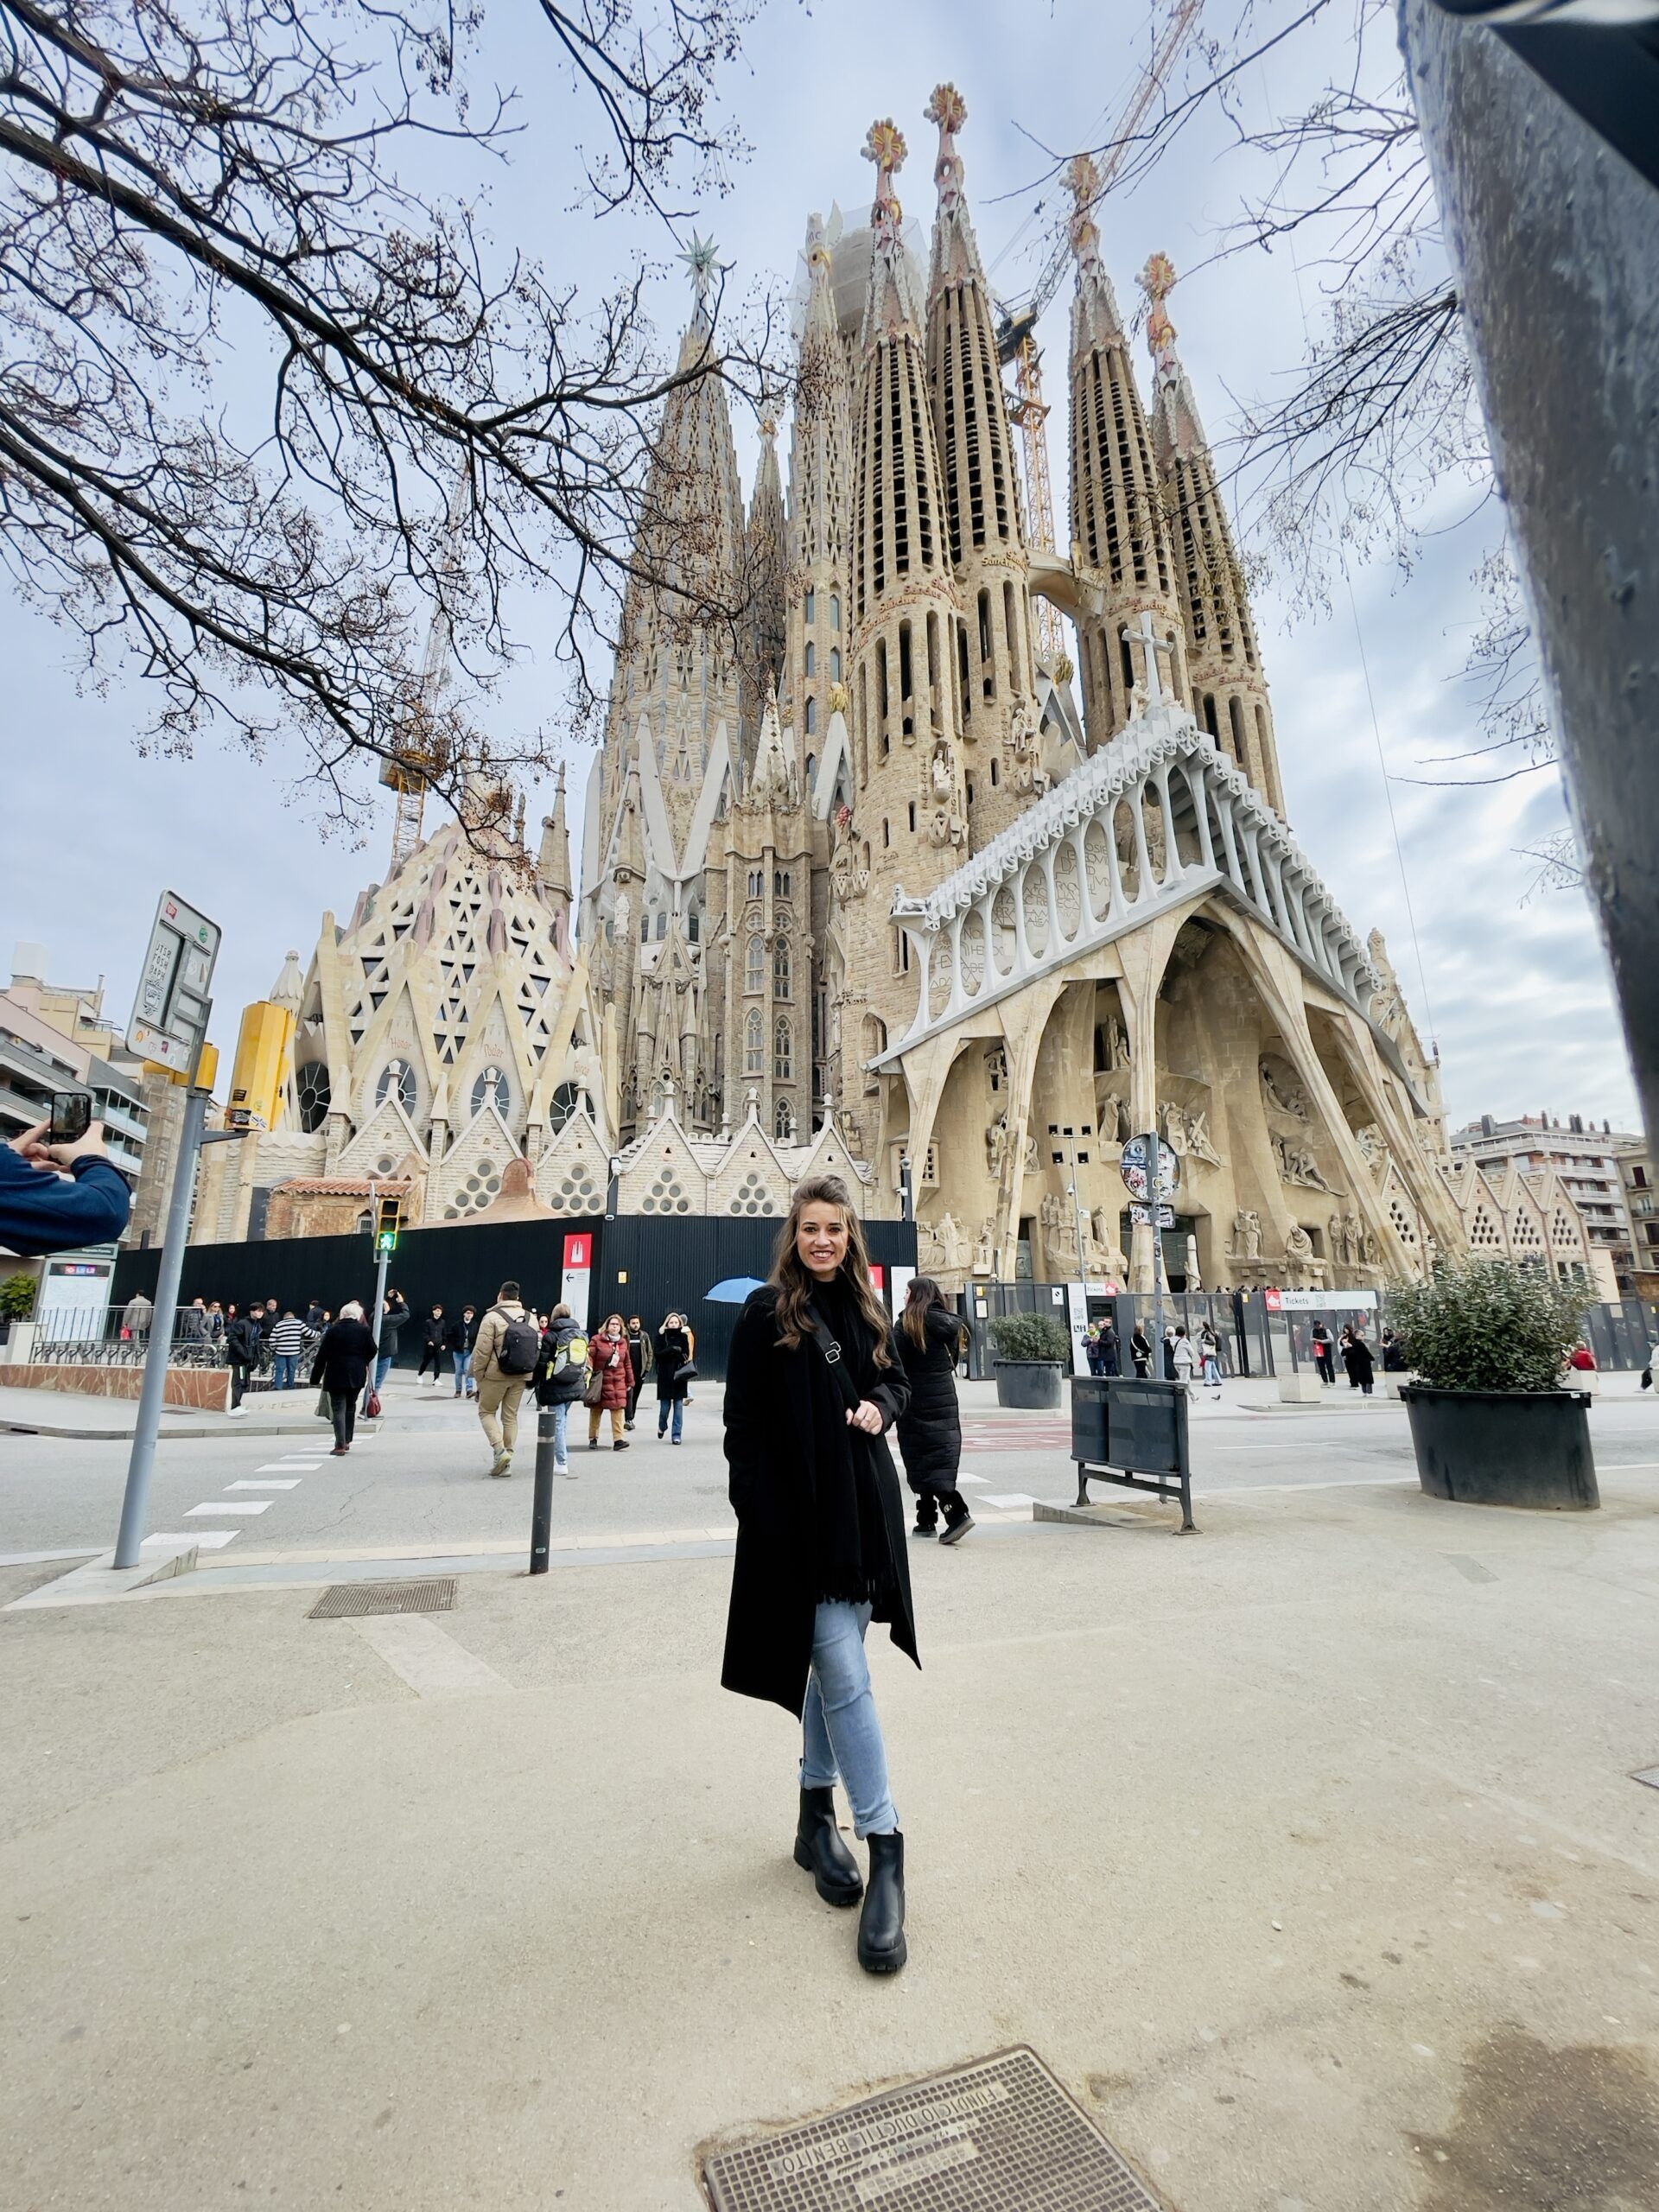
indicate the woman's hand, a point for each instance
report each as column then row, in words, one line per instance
column 865, row 1416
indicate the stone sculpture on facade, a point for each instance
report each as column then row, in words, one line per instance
column 1297, row 1165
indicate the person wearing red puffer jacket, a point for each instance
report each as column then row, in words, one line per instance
column 612, row 1371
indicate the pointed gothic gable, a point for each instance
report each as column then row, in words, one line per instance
column 660, row 1175
column 388, row 1134
column 572, row 1173
column 469, row 1174
column 1400, row 1212
column 751, row 1178
column 392, row 1031
column 829, row 1156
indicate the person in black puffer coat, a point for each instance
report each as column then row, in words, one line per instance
column 342, row 1368
column 932, row 1338
column 242, row 1350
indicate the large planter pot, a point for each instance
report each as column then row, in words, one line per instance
column 1503, row 1448
column 1033, row 1384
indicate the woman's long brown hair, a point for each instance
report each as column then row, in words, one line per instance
column 924, row 1294
column 794, row 1281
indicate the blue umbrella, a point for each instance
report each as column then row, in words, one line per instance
column 734, row 1290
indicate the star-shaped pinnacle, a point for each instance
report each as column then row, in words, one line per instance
column 947, row 109
column 886, row 147
column 1082, row 180
column 1157, row 280
column 702, row 259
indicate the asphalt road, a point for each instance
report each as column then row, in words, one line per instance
column 422, row 1481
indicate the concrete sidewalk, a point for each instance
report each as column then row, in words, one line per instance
column 1305, row 1851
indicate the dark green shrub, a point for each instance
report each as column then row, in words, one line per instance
column 17, row 1297
column 1031, row 1336
column 1487, row 1325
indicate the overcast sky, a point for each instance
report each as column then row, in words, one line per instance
column 1514, row 988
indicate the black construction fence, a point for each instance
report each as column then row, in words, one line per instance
column 645, row 1264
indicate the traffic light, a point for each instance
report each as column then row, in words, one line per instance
column 388, row 1219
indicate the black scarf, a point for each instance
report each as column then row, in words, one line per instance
column 853, row 1560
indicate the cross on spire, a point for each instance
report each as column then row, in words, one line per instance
column 1144, row 634
column 885, row 145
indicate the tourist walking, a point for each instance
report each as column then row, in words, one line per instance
column 561, row 1377
column 821, row 1540
column 1324, row 1358
column 460, row 1335
column 393, row 1314
column 193, row 1326
column 641, row 1358
column 1184, row 1359
column 242, row 1350
column 432, row 1329
column 342, row 1368
column 931, row 1336
column 285, row 1341
column 609, row 1373
column 1141, row 1352
column 1357, row 1358
column 672, row 1354
column 505, row 1356
column 140, row 1313
column 1210, row 1356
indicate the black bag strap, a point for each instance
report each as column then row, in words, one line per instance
column 834, row 1358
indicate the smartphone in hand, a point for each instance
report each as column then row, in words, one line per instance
column 72, row 1116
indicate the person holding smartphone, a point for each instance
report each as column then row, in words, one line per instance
column 59, row 1188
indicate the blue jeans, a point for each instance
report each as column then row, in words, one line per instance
column 561, row 1413
column 841, row 1728
column 663, row 1405
column 381, row 1369
column 463, row 1371
column 287, row 1365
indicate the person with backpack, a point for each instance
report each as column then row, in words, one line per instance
column 561, row 1377
column 505, row 1353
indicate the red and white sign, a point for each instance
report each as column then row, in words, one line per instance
column 578, row 1274
column 1273, row 1300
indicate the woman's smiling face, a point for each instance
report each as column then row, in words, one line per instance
column 820, row 1238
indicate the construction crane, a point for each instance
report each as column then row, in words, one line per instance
column 1016, row 327
column 423, row 748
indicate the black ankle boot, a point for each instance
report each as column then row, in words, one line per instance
column 882, row 1924
column 819, row 1848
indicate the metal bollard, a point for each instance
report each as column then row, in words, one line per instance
column 541, row 1512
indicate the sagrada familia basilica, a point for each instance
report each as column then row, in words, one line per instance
column 862, row 885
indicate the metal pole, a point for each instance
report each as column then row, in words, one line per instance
column 541, row 1511
column 1077, row 1230
column 379, row 1310
column 1154, row 1203
column 141, row 1465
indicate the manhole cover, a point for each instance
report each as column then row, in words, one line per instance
column 352, row 1600
column 984, row 2139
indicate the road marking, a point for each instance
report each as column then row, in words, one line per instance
column 1008, row 1497
column 206, row 1539
column 228, row 1505
column 426, row 1656
column 980, row 1482
column 289, row 1467
column 269, row 1482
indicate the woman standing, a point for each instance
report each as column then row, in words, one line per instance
column 931, row 1339
column 673, row 1353
column 639, row 1359
column 1140, row 1352
column 1184, row 1358
column 821, row 1540
column 342, row 1368
column 1210, row 1356
column 609, row 1367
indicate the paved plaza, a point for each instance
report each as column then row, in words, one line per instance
column 1306, row 1852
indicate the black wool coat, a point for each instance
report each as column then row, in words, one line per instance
column 930, row 1428
column 786, row 1416
column 673, row 1350
column 341, row 1366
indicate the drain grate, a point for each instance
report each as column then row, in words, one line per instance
column 985, row 2137
column 354, row 1600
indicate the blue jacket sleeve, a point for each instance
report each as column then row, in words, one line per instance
column 41, row 1213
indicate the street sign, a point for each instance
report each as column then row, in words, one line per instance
column 169, row 1016
column 1141, row 1216
column 1136, row 1153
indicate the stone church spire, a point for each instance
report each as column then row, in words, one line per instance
column 820, row 499
column 764, row 560
column 1118, row 534
column 909, row 826
column 1229, row 690
column 981, row 512
column 553, row 866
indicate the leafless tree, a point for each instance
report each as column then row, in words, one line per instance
column 1355, row 454
column 268, row 412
